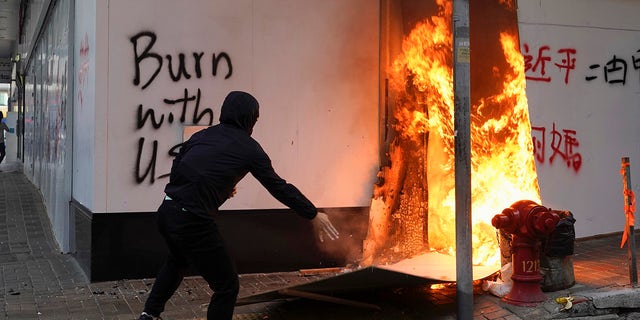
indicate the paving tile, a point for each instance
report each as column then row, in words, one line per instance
column 52, row 284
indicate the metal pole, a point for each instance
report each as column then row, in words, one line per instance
column 461, row 85
column 629, row 210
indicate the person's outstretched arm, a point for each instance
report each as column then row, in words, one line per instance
column 290, row 196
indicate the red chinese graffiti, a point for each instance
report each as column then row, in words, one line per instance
column 83, row 68
column 535, row 63
column 537, row 67
column 568, row 63
column 563, row 145
column 613, row 71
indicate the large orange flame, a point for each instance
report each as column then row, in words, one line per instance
column 503, row 167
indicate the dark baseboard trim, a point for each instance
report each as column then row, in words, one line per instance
column 114, row 246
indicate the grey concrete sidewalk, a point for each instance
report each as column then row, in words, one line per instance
column 38, row 282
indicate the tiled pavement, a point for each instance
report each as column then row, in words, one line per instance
column 38, row 282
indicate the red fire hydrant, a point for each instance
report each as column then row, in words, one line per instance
column 528, row 222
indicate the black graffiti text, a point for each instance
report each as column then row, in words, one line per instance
column 151, row 166
column 144, row 58
column 197, row 115
column 143, row 116
column 150, row 170
column 150, row 117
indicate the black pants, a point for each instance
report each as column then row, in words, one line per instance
column 194, row 241
column 3, row 151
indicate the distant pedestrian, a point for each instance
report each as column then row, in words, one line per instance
column 3, row 128
column 203, row 176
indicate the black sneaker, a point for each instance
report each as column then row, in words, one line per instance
column 146, row 316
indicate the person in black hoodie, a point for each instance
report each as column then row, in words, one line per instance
column 3, row 128
column 203, row 176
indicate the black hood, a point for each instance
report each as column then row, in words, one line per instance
column 241, row 110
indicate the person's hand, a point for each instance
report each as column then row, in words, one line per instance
column 322, row 225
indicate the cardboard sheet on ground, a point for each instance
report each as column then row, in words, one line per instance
column 436, row 266
column 428, row 268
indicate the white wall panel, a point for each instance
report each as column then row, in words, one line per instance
column 311, row 64
column 84, row 98
column 586, row 116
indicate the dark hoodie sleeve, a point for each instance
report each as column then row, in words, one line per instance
column 186, row 146
column 284, row 192
column 241, row 110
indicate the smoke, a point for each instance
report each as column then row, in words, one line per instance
column 352, row 225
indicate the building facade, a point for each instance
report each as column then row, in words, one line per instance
column 107, row 89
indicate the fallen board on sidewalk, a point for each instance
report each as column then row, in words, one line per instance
column 428, row 268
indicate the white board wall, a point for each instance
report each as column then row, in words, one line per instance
column 585, row 111
column 84, row 106
column 312, row 65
